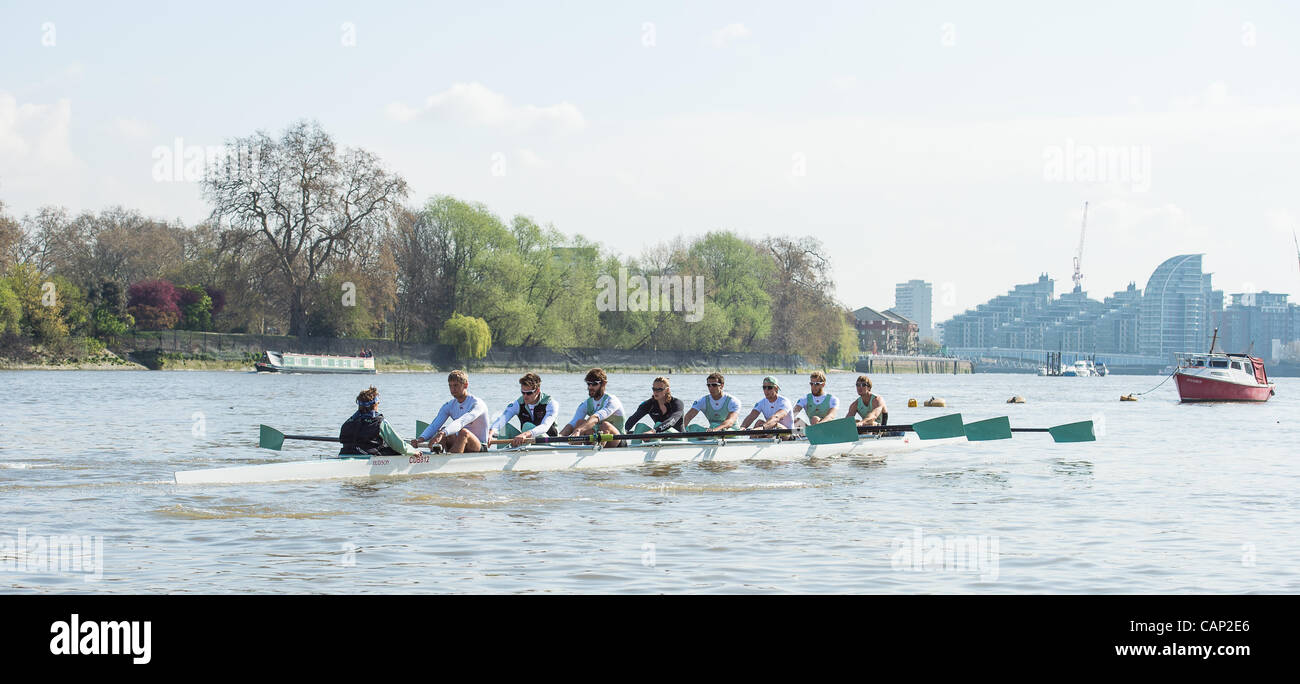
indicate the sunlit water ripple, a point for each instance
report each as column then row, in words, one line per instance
column 1176, row 498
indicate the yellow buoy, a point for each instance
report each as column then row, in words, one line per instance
column 1016, row 400
column 1128, row 397
column 911, row 403
column 932, row 401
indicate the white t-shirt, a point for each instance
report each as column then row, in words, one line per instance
column 769, row 408
column 454, row 415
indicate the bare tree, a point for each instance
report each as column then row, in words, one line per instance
column 308, row 204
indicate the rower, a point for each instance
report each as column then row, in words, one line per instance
column 720, row 409
column 461, row 424
column 535, row 411
column 868, row 408
column 367, row 433
column 664, row 409
column 599, row 413
column 817, row 405
column 776, row 411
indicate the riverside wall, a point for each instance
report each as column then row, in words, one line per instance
column 188, row 349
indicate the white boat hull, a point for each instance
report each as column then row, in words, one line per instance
column 547, row 458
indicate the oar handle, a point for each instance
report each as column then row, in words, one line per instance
column 310, row 438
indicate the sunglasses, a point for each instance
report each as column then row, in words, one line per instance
column 658, row 389
column 527, row 392
column 768, row 387
column 816, row 383
column 863, row 384
column 714, row 384
column 594, row 383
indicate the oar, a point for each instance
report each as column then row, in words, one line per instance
column 1000, row 428
column 271, row 438
column 838, row 431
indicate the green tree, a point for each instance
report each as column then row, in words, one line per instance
column 470, row 336
column 196, row 308
column 41, row 305
column 11, row 311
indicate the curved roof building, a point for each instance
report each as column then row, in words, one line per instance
column 1175, row 308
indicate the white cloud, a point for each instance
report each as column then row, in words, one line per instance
column 729, row 33
column 473, row 104
column 531, row 159
column 34, row 137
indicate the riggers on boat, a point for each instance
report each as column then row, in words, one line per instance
column 829, row 439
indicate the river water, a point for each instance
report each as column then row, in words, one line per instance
column 1174, row 498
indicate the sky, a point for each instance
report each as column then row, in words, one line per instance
column 953, row 142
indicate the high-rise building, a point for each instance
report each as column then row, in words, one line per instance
column 913, row 299
column 1178, row 307
column 1253, row 321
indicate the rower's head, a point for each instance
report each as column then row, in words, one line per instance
column 368, row 400
column 458, row 383
column 770, row 388
column 595, row 382
column 530, row 386
column 660, row 389
column 817, row 382
column 863, row 385
column 715, row 384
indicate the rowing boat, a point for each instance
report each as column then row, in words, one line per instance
column 536, row 458
column 828, row 439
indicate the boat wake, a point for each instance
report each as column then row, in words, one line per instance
column 231, row 512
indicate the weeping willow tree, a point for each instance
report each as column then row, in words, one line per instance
column 470, row 336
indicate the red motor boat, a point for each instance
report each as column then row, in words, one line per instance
column 1222, row 377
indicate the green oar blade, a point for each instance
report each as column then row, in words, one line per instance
column 420, row 427
column 942, row 427
column 1074, row 432
column 270, row 438
column 838, row 431
column 985, row 430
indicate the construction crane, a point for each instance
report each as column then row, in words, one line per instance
column 1297, row 246
column 1078, row 257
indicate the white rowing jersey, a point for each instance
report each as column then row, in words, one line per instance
column 455, row 415
column 767, row 409
column 608, row 405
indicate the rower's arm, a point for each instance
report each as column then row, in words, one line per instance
column 686, row 420
column 874, row 415
column 749, row 419
column 504, row 418
column 394, row 441
column 552, row 408
column 443, row 414
column 776, row 418
column 731, row 420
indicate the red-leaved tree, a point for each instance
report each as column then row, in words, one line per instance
column 155, row 304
